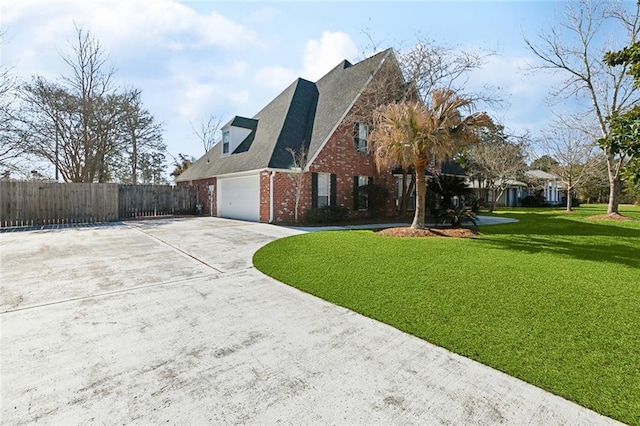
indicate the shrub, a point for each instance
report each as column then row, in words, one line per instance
column 327, row 214
column 575, row 202
column 456, row 216
column 530, row 201
column 377, row 196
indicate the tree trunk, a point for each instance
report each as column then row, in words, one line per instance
column 406, row 193
column 569, row 197
column 298, row 193
column 614, row 186
column 421, row 197
column 134, row 160
column 496, row 197
column 614, row 195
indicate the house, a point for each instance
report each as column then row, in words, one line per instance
column 250, row 175
column 550, row 185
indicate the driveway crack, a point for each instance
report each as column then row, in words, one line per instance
column 178, row 249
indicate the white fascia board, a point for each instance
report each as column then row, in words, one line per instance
column 240, row 174
column 293, row 170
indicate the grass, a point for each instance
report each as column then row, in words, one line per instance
column 553, row 299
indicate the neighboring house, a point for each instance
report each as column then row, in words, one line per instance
column 512, row 196
column 549, row 185
column 249, row 175
column 447, row 168
column 553, row 190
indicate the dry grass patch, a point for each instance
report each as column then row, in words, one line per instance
column 610, row 216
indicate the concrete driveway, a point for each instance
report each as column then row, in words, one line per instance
column 166, row 321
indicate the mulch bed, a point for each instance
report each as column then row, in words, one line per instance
column 610, row 216
column 429, row 232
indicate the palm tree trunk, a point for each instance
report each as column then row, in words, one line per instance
column 421, row 196
column 404, row 200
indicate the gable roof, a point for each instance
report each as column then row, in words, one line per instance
column 304, row 113
column 539, row 174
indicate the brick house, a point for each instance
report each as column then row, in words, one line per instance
column 249, row 175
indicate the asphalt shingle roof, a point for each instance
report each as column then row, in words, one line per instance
column 304, row 113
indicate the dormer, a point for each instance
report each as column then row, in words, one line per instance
column 237, row 135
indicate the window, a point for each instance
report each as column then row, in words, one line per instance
column 361, row 137
column 363, row 195
column 323, row 189
column 225, row 142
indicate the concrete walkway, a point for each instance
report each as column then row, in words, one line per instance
column 481, row 221
column 166, row 321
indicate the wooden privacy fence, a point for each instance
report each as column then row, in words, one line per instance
column 45, row 203
column 155, row 200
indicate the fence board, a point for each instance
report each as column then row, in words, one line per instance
column 44, row 203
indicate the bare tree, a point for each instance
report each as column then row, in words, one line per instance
column 142, row 135
column 573, row 151
column 298, row 167
column 10, row 144
column 497, row 161
column 81, row 124
column 594, row 188
column 575, row 50
column 208, row 132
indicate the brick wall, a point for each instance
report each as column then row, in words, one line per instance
column 203, row 194
column 338, row 157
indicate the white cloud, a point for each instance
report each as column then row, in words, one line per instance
column 322, row 55
column 238, row 98
column 129, row 24
column 193, row 98
column 275, row 78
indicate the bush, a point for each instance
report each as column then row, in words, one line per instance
column 327, row 214
column 377, row 196
column 456, row 216
column 575, row 202
column 530, row 201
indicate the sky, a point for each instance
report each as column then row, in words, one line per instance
column 192, row 59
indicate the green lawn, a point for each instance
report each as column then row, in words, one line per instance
column 553, row 299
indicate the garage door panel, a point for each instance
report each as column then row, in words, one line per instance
column 239, row 198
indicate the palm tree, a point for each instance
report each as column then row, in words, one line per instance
column 448, row 187
column 181, row 164
column 412, row 133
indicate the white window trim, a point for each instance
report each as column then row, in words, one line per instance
column 322, row 187
column 226, row 135
column 363, row 135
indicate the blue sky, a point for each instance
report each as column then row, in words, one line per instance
column 195, row 58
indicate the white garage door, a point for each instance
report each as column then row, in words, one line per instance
column 239, row 198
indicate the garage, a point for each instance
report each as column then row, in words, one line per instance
column 239, row 198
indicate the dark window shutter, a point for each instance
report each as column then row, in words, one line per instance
column 370, row 182
column 333, row 190
column 314, row 190
column 356, row 193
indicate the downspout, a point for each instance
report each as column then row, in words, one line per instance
column 271, row 177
